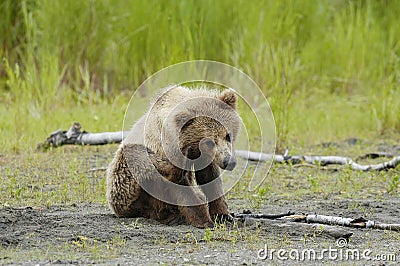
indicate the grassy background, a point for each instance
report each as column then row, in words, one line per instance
column 330, row 69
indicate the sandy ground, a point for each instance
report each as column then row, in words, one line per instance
column 80, row 230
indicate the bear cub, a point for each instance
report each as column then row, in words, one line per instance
column 185, row 138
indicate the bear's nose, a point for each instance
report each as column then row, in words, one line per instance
column 229, row 163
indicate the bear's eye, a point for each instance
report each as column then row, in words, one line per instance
column 228, row 137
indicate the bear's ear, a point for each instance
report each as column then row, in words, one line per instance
column 229, row 97
column 183, row 119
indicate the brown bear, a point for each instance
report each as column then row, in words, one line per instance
column 185, row 137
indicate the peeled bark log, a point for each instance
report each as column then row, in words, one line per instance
column 320, row 219
column 341, row 221
column 318, row 160
column 75, row 136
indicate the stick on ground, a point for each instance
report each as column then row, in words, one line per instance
column 74, row 136
column 321, row 219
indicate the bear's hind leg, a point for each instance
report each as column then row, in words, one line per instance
column 133, row 166
column 122, row 188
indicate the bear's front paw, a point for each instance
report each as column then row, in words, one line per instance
column 197, row 216
column 202, row 224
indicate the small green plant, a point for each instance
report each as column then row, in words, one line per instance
column 394, row 184
column 80, row 242
column 116, row 243
column 208, row 235
column 192, row 239
column 313, row 182
column 262, row 191
column 365, row 209
column 15, row 190
column 136, row 224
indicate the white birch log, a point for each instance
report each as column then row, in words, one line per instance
column 342, row 221
column 318, row 160
column 74, row 136
column 320, row 219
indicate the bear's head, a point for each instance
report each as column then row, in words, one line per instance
column 209, row 126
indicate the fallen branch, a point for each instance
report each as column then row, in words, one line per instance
column 318, row 160
column 348, row 222
column 322, row 219
column 260, row 219
column 74, row 136
column 341, row 221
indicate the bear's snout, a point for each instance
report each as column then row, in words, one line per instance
column 229, row 163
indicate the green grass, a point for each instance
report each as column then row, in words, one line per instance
column 58, row 177
column 330, row 69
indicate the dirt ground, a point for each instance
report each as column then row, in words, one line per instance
column 88, row 230
column 88, row 233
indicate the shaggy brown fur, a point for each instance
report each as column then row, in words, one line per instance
column 140, row 203
column 205, row 124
